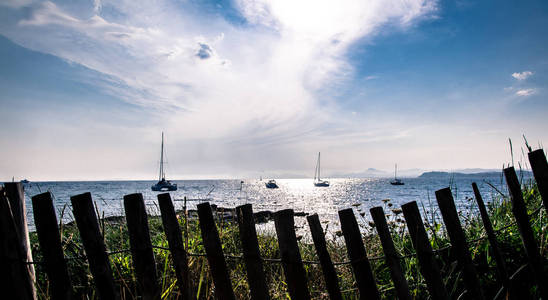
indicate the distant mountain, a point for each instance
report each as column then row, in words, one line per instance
column 416, row 172
column 438, row 174
column 409, row 172
column 476, row 170
column 371, row 172
column 376, row 173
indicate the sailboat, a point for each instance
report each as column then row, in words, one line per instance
column 163, row 184
column 317, row 180
column 396, row 180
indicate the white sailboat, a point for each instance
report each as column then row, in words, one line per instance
column 163, row 184
column 396, row 180
column 317, row 179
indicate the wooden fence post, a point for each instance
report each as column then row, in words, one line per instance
column 96, row 252
column 358, row 257
column 49, row 237
column 292, row 263
column 214, row 251
column 15, row 279
column 537, row 159
column 16, row 196
column 141, row 247
column 428, row 266
column 329, row 273
column 176, row 247
column 458, row 241
column 391, row 255
column 252, row 255
column 536, row 261
column 501, row 266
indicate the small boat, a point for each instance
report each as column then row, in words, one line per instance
column 317, row 180
column 163, row 184
column 396, row 180
column 25, row 181
column 271, row 184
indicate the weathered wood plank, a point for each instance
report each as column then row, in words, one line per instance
column 329, row 273
column 176, row 247
column 16, row 195
column 458, row 242
column 392, row 257
column 15, row 279
column 214, row 251
column 361, row 267
column 292, row 263
column 252, row 255
column 49, row 237
column 141, row 247
column 501, row 266
column 539, row 165
column 536, row 261
column 428, row 265
column 96, row 252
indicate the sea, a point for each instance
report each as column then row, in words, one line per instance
column 301, row 195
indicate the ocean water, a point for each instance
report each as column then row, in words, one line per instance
column 299, row 194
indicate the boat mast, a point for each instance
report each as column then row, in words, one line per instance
column 316, row 172
column 319, row 167
column 162, row 176
column 395, row 170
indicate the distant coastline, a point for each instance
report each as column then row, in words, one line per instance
column 438, row 174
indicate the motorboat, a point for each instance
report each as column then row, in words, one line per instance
column 271, row 184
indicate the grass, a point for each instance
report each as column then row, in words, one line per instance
column 116, row 238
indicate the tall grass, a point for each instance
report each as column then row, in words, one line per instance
column 117, row 241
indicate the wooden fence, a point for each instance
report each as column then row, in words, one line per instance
column 17, row 274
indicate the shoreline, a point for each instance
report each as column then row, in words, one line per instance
column 224, row 213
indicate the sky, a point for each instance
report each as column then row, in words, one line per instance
column 250, row 88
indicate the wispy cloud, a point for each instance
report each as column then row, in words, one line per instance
column 271, row 76
column 522, row 75
column 221, row 82
column 525, row 92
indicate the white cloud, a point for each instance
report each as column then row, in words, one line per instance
column 254, row 85
column 525, row 92
column 319, row 32
column 522, row 75
column 154, row 53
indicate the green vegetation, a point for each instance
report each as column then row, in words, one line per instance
column 499, row 207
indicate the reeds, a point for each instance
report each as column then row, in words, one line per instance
column 499, row 207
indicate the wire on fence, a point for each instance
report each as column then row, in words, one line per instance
column 278, row 260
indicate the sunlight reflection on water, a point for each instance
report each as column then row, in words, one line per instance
column 298, row 194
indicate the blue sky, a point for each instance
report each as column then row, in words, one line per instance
column 250, row 88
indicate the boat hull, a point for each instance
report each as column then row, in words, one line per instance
column 322, row 183
column 271, row 184
column 163, row 187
